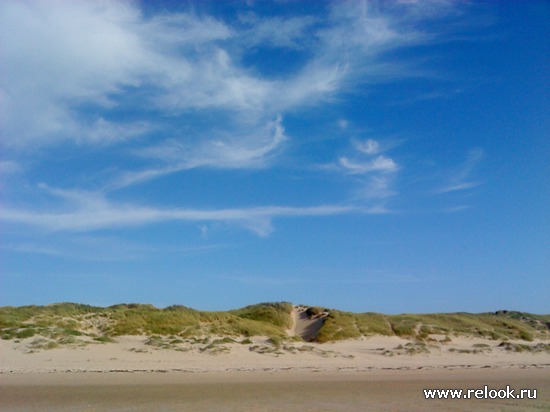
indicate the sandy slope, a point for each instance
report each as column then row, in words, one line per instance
column 131, row 353
column 303, row 326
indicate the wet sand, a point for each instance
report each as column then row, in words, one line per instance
column 377, row 390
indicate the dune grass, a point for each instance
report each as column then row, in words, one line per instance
column 62, row 320
column 185, row 322
column 63, row 323
column 510, row 325
column 277, row 313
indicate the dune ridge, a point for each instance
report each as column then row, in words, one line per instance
column 270, row 337
column 279, row 320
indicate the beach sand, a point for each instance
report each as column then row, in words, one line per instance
column 377, row 390
column 374, row 373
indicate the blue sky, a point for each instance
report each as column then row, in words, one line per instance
column 368, row 156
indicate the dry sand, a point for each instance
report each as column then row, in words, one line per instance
column 368, row 374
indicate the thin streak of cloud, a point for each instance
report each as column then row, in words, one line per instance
column 379, row 164
column 102, row 248
column 275, row 31
column 458, row 187
column 460, row 179
column 253, row 151
column 376, row 187
column 370, row 146
column 92, row 211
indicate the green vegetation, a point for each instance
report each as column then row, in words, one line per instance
column 338, row 326
column 15, row 316
column 216, row 346
column 313, row 311
column 70, row 323
column 42, row 344
column 25, row 333
column 63, row 322
column 263, row 319
column 275, row 341
column 520, row 347
column 510, row 325
column 277, row 314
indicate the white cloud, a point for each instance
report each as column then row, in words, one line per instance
column 276, row 31
column 364, row 29
column 57, row 55
column 70, row 68
column 369, row 146
column 377, row 187
column 458, row 186
column 378, row 164
column 226, row 152
column 372, row 147
column 82, row 211
column 374, row 174
column 343, row 124
column 61, row 56
column 247, row 151
column 103, row 131
column 361, row 32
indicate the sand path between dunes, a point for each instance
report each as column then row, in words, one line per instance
column 303, row 326
column 292, row 330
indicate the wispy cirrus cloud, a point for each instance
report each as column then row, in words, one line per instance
column 199, row 103
column 112, row 56
column 109, row 216
column 225, row 152
column 461, row 178
column 378, row 164
column 377, row 187
column 374, row 171
column 81, row 211
column 277, row 32
column 369, row 146
column 99, row 247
